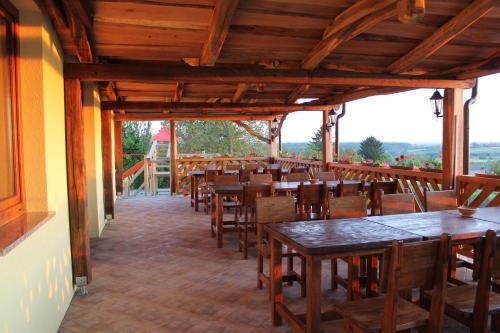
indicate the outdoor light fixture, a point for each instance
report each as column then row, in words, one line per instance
column 437, row 104
column 274, row 126
column 332, row 115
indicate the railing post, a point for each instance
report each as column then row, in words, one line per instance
column 453, row 140
column 273, row 145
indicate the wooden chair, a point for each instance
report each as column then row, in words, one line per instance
column 275, row 210
column 326, row 176
column 226, row 179
column 472, row 304
column 261, row 178
column 251, row 166
column 388, row 186
column 297, row 177
column 276, row 173
column 400, row 203
column 209, row 178
column 440, row 200
column 233, row 166
column 312, row 201
column 245, row 175
column 299, row 170
column 421, row 265
column 230, row 202
column 250, row 193
column 350, row 189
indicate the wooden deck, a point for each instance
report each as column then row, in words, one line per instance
column 156, row 269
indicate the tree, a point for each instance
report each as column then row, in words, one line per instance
column 315, row 146
column 136, row 138
column 371, row 149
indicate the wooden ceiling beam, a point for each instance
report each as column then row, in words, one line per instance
column 252, row 132
column 160, row 116
column 356, row 94
column 442, row 36
column 297, row 92
column 210, row 107
column 179, row 89
column 155, row 73
column 70, row 29
column 241, row 90
column 217, row 31
column 108, row 89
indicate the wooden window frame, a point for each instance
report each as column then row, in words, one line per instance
column 15, row 205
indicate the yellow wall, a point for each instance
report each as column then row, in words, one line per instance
column 35, row 277
column 93, row 158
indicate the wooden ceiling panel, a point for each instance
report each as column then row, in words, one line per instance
column 147, row 52
column 278, row 20
column 325, row 9
column 125, row 85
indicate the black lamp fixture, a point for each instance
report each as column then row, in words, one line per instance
column 332, row 117
column 436, row 101
column 274, row 126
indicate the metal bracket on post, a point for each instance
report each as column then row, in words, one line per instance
column 81, row 285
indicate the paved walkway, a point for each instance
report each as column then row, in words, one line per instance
column 156, row 269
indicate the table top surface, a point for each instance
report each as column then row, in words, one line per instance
column 432, row 224
column 201, row 173
column 338, row 236
column 491, row 214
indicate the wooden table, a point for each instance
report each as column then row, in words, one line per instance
column 431, row 225
column 194, row 181
column 217, row 223
column 294, row 186
column 491, row 214
column 317, row 241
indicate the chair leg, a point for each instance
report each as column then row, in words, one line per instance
column 303, row 275
column 245, row 239
column 260, row 269
column 353, row 278
column 334, row 273
column 289, row 264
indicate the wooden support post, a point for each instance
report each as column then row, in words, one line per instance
column 327, row 148
column 273, row 144
column 453, row 141
column 173, row 158
column 107, row 162
column 118, row 158
column 77, row 184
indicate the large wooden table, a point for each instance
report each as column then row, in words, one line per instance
column 329, row 239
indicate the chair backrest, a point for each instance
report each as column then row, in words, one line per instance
column 251, row 192
column 400, row 203
column 276, row 173
column 350, row 189
column 251, row 166
column 210, row 175
column 299, row 170
column 440, row 200
column 245, row 175
column 312, row 196
column 326, row 175
column 261, row 178
column 275, row 209
column 388, row 186
column 226, row 179
column 233, row 166
column 418, row 265
column 347, row 207
column 297, row 177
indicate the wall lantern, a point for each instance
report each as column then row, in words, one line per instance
column 436, row 101
column 332, row 117
column 274, row 126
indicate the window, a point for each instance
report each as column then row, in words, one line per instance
column 11, row 189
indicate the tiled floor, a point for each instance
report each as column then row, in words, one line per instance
column 156, row 269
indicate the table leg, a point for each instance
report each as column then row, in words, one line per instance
column 276, row 279
column 213, row 214
column 353, row 278
column 196, row 195
column 219, row 206
column 313, row 282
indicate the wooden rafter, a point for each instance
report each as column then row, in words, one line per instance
column 443, row 35
column 241, row 89
column 252, row 132
column 70, row 29
column 355, row 94
column 155, row 73
column 150, row 116
column 297, row 92
column 218, row 30
column 108, row 89
column 179, row 88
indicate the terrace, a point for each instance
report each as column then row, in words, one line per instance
column 77, row 255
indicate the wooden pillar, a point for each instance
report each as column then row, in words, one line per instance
column 118, row 158
column 327, row 147
column 453, row 140
column 173, row 158
column 273, row 145
column 107, row 162
column 77, row 184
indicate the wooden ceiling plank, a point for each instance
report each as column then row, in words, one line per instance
column 179, row 88
column 442, row 36
column 297, row 92
column 162, row 116
column 217, row 31
column 155, row 73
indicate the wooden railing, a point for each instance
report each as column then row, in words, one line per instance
column 413, row 180
column 130, row 175
column 478, row 191
column 314, row 166
column 186, row 165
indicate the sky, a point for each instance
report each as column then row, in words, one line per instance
column 403, row 117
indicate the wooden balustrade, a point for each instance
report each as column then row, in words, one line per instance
column 413, row 180
column 479, row 190
column 313, row 166
column 186, row 165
